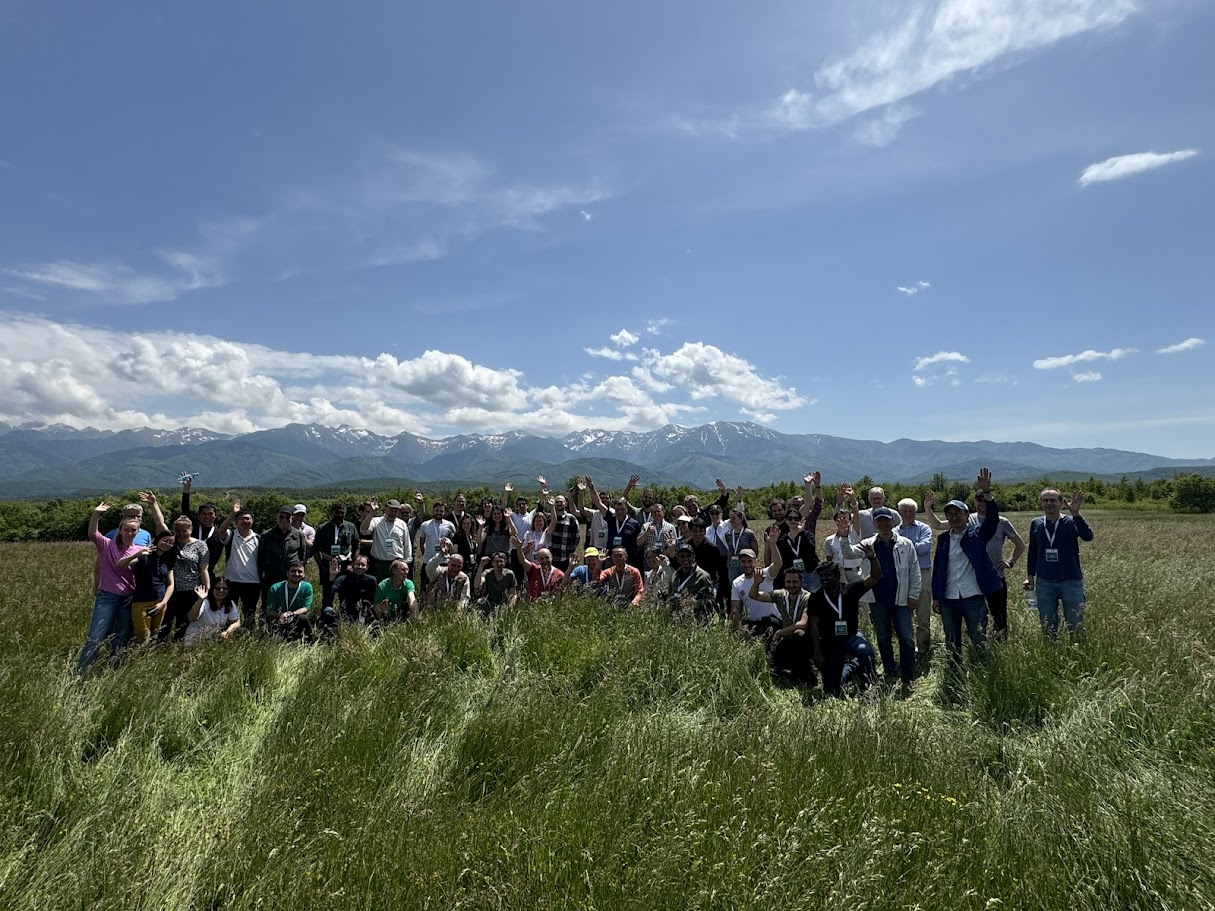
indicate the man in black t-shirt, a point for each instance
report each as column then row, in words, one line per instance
column 832, row 617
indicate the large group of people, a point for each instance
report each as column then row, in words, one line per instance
column 399, row 562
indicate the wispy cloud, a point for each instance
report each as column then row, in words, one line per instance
column 997, row 378
column 1090, row 376
column 911, row 290
column 1123, row 166
column 624, row 338
column 611, row 354
column 1066, row 360
column 1188, row 345
column 119, row 283
column 941, row 357
column 586, row 216
column 884, row 127
column 655, row 326
column 923, row 44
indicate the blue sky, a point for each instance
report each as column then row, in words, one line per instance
column 969, row 219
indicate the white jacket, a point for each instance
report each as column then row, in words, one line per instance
column 907, row 568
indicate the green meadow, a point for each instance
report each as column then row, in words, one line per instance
column 570, row 755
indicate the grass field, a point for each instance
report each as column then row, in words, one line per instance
column 571, row 756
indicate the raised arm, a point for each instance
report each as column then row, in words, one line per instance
column 131, row 558
column 366, row 514
column 932, row 521
column 149, row 497
column 95, row 517
column 1083, row 531
column 875, row 567
column 596, row 503
column 200, row 592
column 812, row 492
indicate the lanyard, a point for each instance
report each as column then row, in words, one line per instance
column 839, row 605
column 795, row 610
column 618, row 577
column 293, row 594
column 448, row 581
column 682, row 584
column 1050, row 535
column 797, row 551
column 734, row 542
column 544, row 580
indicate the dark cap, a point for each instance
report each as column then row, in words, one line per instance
column 881, row 512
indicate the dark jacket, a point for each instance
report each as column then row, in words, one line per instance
column 974, row 545
column 276, row 550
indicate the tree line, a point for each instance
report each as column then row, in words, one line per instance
column 66, row 519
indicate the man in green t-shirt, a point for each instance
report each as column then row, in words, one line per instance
column 394, row 596
column 497, row 588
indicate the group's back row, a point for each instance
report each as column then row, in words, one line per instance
column 703, row 558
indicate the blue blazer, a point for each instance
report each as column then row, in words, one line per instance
column 974, row 545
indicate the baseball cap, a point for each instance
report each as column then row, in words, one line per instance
column 393, row 504
column 881, row 512
column 957, row 504
column 685, row 547
column 747, row 552
column 590, row 552
column 299, row 508
column 286, row 511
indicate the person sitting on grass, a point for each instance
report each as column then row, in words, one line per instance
column 586, row 574
column 394, row 596
column 285, row 610
column 214, row 614
column 115, row 586
column 692, row 588
column 789, row 649
column 497, row 589
column 448, row 583
column 542, row 577
column 841, row 652
column 153, row 566
column 622, row 581
column 761, row 618
column 659, row 573
column 353, row 594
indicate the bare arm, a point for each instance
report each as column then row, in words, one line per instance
column 933, row 522
column 158, row 517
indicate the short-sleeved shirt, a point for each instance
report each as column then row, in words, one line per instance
column 581, row 574
column 187, row 571
column 753, row 610
column 995, row 547
column 152, row 576
column 497, row 591
column 827, row 610
column 397, row 598
column 143, row 537
column 536, row 582
column 211, row 621
column 111, row 578
column 431, row 531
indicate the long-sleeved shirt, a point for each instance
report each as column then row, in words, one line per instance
column 919, row 534
column 1064, row 537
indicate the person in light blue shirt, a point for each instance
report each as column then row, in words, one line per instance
column 919, row 534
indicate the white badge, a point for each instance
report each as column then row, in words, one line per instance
column 841, row 627
column 799, row 565
column 1051, row 554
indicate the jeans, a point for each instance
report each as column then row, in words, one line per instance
column 974, row 611
column 923, row 614
column 1071, row 593
column 838, row 670
column 891, row 620
column 111, row 616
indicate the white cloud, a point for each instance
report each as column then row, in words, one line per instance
column 941, row 357
column 914, row 289
column 1123, row 166
column 705, row 371
column 933, row 43
column 655, row 326
column 611, row 354
column 123, row 284
column 624, row 338
column 1066, row 360
column 84, row 375
column 996, row 378
column 1188, row 345
column 1091, row 376
column 883, row 128
column 586, row 216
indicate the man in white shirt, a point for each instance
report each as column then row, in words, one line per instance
column 389, row 537
column 297, row 519
column 240, row 562
column 760, row 617
column 431, row 532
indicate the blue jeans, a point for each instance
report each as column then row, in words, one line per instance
column 837, row 670
column 891, row 620
column 111, row 616
column 974, row 611
column 1071, row 593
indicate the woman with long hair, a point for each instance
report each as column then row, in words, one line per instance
column 190, row 570
column 497, row 534
column 536, row 538
column 115, row 586
column 468, row 538
column 214, row 614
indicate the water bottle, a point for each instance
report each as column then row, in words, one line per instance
column 1031, row 600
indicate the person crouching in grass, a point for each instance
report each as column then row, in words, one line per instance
column 285, row 610
column 394, row 596
column 153, row 567
column 115, row 585
column 214, row 614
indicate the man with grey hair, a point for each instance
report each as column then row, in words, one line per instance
column 863, row 519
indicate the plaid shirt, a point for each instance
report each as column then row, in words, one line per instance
column 564, row 536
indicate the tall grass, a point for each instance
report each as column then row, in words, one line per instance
column 573, row 756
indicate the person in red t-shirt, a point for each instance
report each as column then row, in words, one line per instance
column 542, row 576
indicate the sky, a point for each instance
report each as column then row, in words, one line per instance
column 958, row 220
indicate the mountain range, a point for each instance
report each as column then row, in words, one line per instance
column 41, row 460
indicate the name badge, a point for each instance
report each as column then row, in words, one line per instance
column 335, row 550
column 1051, row 555
column 841, row 627
column 618, row 541
column 735, row 567
column 799, row 565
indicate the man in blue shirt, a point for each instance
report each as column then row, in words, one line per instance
column 1052, row 567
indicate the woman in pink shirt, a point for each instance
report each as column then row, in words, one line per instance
column 115, row 586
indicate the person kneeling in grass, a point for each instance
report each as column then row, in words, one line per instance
column 498, row 588
column 285, row 610
column 214, row 614
column 790, row 650
column 394, row 596
column 840, row 651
